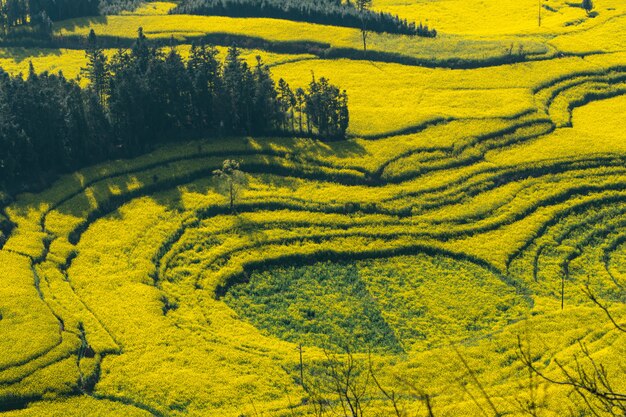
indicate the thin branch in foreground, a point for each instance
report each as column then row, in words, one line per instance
column 390, row 395
column 591, row 295
column 594, row 385
column 472, row 374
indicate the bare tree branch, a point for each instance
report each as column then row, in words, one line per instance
column 474, row 378
column 390, row 395
column 589, row 293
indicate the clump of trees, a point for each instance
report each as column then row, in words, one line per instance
column 329, row 12
column 116, row 6
column 143, row 96
column 62, row 9
column 35, row 17
column 148, row 94
column 320, row 110
column 47, row 125
column 21, row 12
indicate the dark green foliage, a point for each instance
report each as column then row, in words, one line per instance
column 328, row 12
column 324, row 305
column 96, row 71
column 44, row 126
column 50, row 125
column 39, row 14
column 116, row 6
column 9, row 402
column 62, row 9
column 327, row 108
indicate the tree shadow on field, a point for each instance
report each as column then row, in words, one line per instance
column 199, row 186
column 22, row 54
column 72, row 25
column 301, row 148
column 279, row 182
column 83, row 195
column 89, row 204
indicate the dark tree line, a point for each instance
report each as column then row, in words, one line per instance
column 38, row 15
column 142, row 96
column 329, row 12
column 63, row 9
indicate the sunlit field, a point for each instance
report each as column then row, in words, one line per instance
column 497, row 18
column 477, row 201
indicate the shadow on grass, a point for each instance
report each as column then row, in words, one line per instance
column 22, row 54
column 72, row 25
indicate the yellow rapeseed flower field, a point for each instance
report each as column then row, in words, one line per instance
column 457, row 227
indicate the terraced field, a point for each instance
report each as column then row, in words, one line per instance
column 470, row 206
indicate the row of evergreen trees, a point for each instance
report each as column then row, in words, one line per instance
column 328, row 12
column 49, row 125
column 37, row 15
column 15, row 13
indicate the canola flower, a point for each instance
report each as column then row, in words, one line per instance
column 470, row 207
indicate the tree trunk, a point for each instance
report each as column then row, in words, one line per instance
column 232, row 197
column 364, row 35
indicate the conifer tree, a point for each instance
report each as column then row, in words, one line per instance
column 204, row 72
column 96, row 70
column 363, row 7
column 237, row 93
column 177, row 91
column 287, row 105
column 49, row 125
column 300, row 105
column 266, row 108
column 141, row 52
column 327, row 109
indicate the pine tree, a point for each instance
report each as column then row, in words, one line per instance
column 266, row 108
column 287, row 105
column 177, row 91
column 141, row 53
column 326, row 109
column 97, row 69
column 300, row 105
column 49, row 125
column 237, row 93
column 205, row 75
column 127, row 104
column 15, row 147
column 363, row 7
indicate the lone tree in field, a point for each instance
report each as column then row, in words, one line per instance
column 363, row 7
column 232, row 181
column 588, row 5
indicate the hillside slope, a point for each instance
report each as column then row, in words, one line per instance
column 482, row 189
